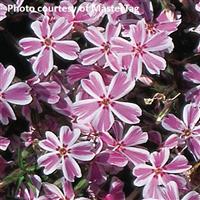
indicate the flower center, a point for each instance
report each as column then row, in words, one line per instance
column 139, row 49
column 158, row 171
column 186, row 133
column 48, row 42
column 63, row 151
column 150, row 28
column 1, row 95
column 105, row 101
column 118, row 145
column 106, row 47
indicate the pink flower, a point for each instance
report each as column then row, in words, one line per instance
column 188, row 130
column 49, row 41
column 116, row 190
column 193, row 74
column 52, row 192
column 164, row 22
column 99, row 109
column 159, row 173
column 102, row 51
column 4, row 143
column 126, row 146
column 63, row 152
column 172, row 192
column 18, row 93
column 141, row 48
column 3, row 11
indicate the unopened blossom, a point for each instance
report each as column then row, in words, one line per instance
column 62, row 153
column 193, row 74
column 103, row 103
column 18, row 93
column 52, row 192
column 187, row 129
column 102, row 52
column 50, row 39
column 160, row 172
column 4, row 143
column 142, row 48
column 127, row 145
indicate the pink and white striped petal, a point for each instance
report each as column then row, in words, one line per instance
column 66, row 49
column 30, row 46
column 6, row 112
column 135, row 136
column 41, row 29
column 60, row 28
column 135, row 155
column 50, row 162
column 7, row 75
column 91, row 55
column 173, row 124
column 178, row 165
column 159, row 159
column 95, row 87
column 82, row 151
column 103, row 119
column 120, row 85
column 94, row 36
column 44, row 62
column 191, row 115
column 4, row 143
column 70, row 168
column 127, row 112
column 18, row 93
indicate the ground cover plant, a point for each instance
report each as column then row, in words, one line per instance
column 100, row 100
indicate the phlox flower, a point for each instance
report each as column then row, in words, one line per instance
column 102, row 52
column 52, row 192
column 164, row 22
column 49, row 40
column 18, row 93
column 159, row 173
column 4, row 143
column 141, row 47
column 62, row 153
column 188, row 129
column 126, row 146
column 171, row 193
column 103, row 103
column 193, row 74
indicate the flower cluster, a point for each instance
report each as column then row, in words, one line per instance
column 106, row 106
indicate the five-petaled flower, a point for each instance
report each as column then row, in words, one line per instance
column 63, row 152
column 188, row 129
column 141, row 47
column 104, row 102
column 18, row 93
column 126, row 146
column 159, row 173
column 49, row 40
column 102, row 51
